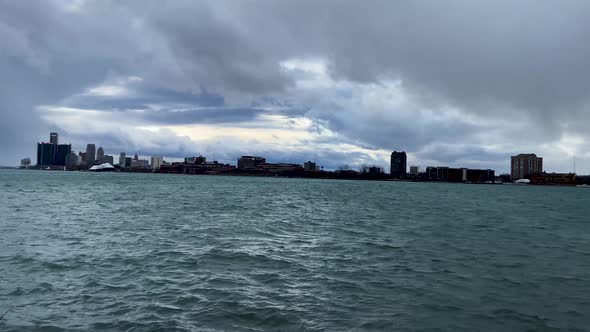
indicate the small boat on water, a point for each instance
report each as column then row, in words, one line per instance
column 522, row 181
column 106, row 167
column 583, row 186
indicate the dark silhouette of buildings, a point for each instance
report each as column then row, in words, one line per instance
column 250, row 162
column 309, row 166
column 195, row 160
column 450, row 174
column 373, row 170
column 60, row 155
column 280, row 168
column 398, row 164
column 90, row 154
column 553, row 178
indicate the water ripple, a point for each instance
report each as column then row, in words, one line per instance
column 141, row 252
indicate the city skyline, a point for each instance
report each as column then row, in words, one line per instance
column 458, row 88
column 398, row 166
column 55, row 156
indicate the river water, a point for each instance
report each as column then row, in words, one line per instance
column 157, row 252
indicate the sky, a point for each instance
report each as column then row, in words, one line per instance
column 453, row 83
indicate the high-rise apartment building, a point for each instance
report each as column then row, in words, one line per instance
column 524, row 165
column 398, row 164
column 122, row 157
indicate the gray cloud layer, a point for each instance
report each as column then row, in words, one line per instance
column 496, row 63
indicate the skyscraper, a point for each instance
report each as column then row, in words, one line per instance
column 398, row 164
column 61, row 154
column 90, row 154
column 53, row 138
column 52, row 154
column 524, row 165
column 122, row 157
column 45, row 153
column 99, row 154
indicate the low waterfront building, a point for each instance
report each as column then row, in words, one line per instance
column 310, row 166
column 374, row 170
column 553, row 178
column 480, row 175
column 440, row 173
column 414, row 170
column 280, row 168
column 195, row 160
column 450, row 174
column 250, row 162
column 193, row 168
column 456, row 174
column 140, row 164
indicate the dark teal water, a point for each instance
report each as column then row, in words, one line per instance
column 142, row 252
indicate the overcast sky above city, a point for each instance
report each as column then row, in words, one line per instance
column 457, row 83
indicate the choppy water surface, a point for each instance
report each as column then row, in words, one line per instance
column 143, row 252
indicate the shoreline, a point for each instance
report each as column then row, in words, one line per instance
column 315, row 176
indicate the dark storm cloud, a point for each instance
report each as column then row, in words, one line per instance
column 494, row 59
column 523, row 61
column 169, row 107
column 142, row 98
column 203, row 116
